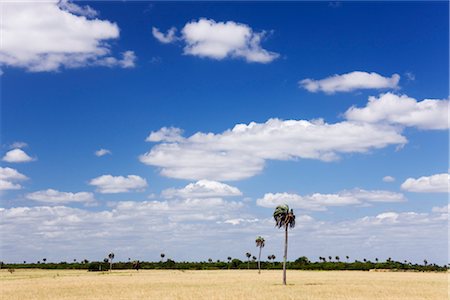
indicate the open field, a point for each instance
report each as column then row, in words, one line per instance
column 221, row 284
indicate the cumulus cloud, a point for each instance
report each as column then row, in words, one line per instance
column 165, row 134
column 57, row 197
column 241, row 152
column 9, row 178
column 388, row 179
column 220, row 40
column 201, row 189
column 46, row 36
column 167, row 38
column 403, row 110
column 102, row 152
column 319, row 202
column 17, row 156
column 349, row 82
column 438, row 183
column 108, row 184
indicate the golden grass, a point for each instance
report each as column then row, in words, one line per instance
column 224, row 284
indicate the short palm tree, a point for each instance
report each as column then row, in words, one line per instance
column 284, row 218
column 111, row 257
column 260, row 242
column 248, row 254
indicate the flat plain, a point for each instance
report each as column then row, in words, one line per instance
column 222, row 284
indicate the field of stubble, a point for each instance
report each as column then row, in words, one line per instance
column 223, row 284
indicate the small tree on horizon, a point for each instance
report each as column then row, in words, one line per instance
column 248, row 254
column 260, row 242
column 284, row 218
column 111, row 257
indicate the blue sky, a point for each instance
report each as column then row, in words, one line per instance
column 133, row 68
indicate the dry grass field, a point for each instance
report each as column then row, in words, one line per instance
column 232, row 284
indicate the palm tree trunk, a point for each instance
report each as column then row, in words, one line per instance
column 248, row 264
column 259, row 261
column 285, row 254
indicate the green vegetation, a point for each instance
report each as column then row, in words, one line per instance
column 302, row 263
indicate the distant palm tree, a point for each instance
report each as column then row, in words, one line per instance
column 162, row 257
column 24, row 261
column 248, row 254
column 210, row 260
column 111, row 257
column 260, row 242
column 425, row 262
column 74, row 260
column 376, row 259
column 337, row 258
column 347, row 257
column 284, row 218
column 229, row 260
column 273, row 259
column 44, row 260
column 330, row 258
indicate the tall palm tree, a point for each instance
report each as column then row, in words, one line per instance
column 347, row 257
column 229, row 260
column 162, row 257
column 248, row 254
column 284, row 217
column 260, row 242
column 111, row 257
column 337, row 258
column 273, row 259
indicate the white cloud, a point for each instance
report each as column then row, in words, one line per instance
column 46, row 36
column 108, row 184
column 202, row 189
column 165, row 134
column 77, row 10
column 16, row 156
column 388, row 179
column 8, row 178
column 403, row 110
column 57, row 197
column 241, row 152
column 167, row 38
column 349, row 82
column 438, row 183
column 220, row 40
column 318, row 202
column 102, row 152
column 182, row 226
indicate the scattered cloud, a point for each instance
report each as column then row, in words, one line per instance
column 167, row 38
column 18, row 145
column 348, row 82
column 50, row 35
column 202, row 189
column 439, row 183
column 320, row 202
column 410, row 76
column 108, row 184
column 178, row 225
column 388, row 179
column 9, row 178
column 220, row 40
column 57, row 197
column 241, row 152
column 102, row 152
column 402, row 110
column 17, row 156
